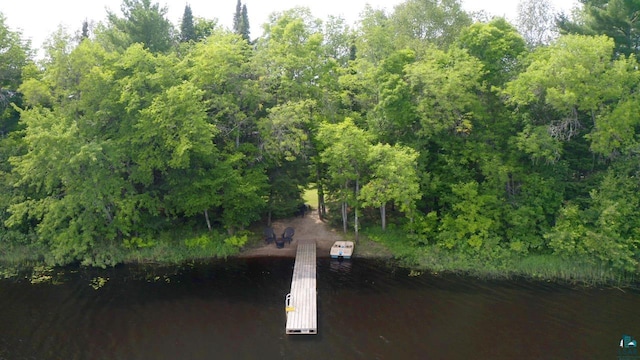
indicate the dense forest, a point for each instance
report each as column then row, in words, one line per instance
column 450, row 136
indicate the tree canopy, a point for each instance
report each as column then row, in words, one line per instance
column 472, row 139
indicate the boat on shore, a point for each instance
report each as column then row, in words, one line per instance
column 342, row 250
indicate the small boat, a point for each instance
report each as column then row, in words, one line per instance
column 342, row 249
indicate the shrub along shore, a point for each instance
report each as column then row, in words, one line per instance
column 545, row 267
column 372, row 244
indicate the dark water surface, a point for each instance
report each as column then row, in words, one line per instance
column 234, row 309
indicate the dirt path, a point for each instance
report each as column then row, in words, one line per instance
column 309, row 227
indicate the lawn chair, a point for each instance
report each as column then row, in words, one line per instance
column 288, row 234
column 269, row 235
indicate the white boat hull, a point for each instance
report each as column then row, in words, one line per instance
column 342, row 250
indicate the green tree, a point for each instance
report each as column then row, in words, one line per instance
column 445, row 87
column 187, row 28
column 245, row 23
column 204, row 28
column 85, row 30
column 221, row 67
column 575, row 78
column 70, row 172
column 284, row 131
column 617, row 19
column 394, row 117
column 107, row 158
column 419, row 23
column 143, row 22
column 289, row 56
column 14, row 56
column 285, row 142
column 244, row 193
column 497, row 45
column 393, row 179
column 241, row 21
column 374, row 40
column 473, row 224
column 339, row 40
column 606, row 232
column 345, row 149
column 14, row 59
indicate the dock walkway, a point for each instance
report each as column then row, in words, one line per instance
column 301, row 302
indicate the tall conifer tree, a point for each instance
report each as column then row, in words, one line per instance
column 85, row 30
column 241, row 21
column 237, row 18
column 245, row 23
column 187, row 29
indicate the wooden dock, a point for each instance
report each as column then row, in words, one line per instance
column 301, row 302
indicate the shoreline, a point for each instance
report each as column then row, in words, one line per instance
column 311, row 228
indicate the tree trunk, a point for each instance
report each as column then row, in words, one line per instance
column 320, row 199
column 321, row 210
column 322, row 213
column 206, row 217
column 383, row 216
column 344, row 208
column 344, row 216
column 410, row 213
column 356, row 209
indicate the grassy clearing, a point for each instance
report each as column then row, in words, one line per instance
column 311, row 197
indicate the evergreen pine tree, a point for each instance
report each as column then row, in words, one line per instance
column 244, row 31
column 237, row 18
column 85, row 30
column 143, row 22
column 187, row 29
column 241, row 21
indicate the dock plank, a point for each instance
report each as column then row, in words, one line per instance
column 301, row 302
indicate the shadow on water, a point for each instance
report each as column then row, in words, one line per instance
column 234, row 309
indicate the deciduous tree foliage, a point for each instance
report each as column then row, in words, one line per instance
column 345, row 151
column 14, row 56
column 497, row 45
column 475, row 144
column 434, row 22
column 393, row 179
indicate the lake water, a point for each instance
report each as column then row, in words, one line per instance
column 234, row 309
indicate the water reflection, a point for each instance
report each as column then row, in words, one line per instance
column 340, row 266
column 233, row 310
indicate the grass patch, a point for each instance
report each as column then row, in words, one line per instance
column 434, row 259
column 16, row 254
column 557, row 268
column 310, row 197
column 182, row 244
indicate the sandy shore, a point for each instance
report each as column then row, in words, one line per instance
column 307, row 228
